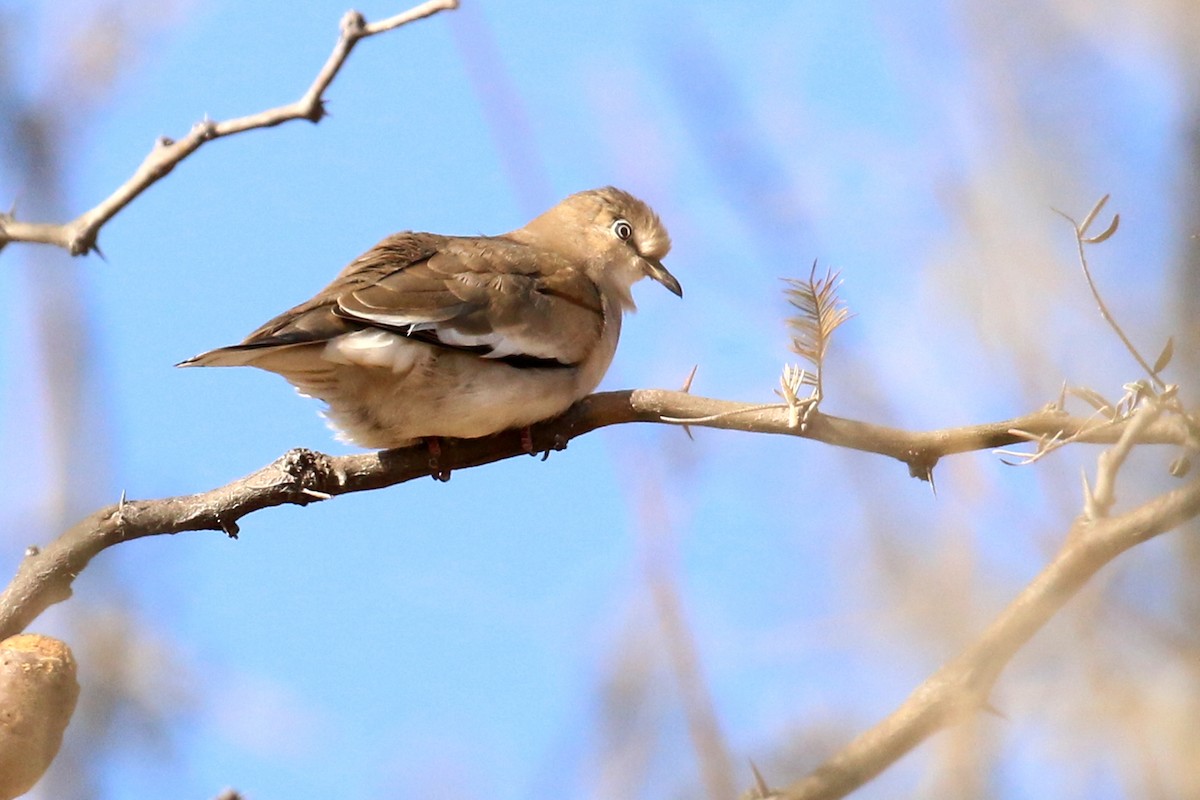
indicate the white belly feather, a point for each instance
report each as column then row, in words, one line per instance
column 386, row 390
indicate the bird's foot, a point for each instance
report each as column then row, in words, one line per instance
column 527, row 444
column 434, row 445
column 559, row 444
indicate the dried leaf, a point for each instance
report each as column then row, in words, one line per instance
column 1107, row 233
column 821, row 311
column 1094, row 399
column 1180, row 466
column 1087, row 221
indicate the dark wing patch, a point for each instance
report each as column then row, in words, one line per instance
column 494, row 297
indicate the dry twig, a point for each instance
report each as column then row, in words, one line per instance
column 1082, row 240
column 79, row 235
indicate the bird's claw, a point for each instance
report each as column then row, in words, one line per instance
column 436, row 472
column 559, row 445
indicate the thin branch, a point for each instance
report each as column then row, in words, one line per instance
column 301, row 477
column 1081, row 241
column 79, row 235
column 962, row 686
column 1099, row 500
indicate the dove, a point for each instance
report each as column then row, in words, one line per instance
column 427, row 336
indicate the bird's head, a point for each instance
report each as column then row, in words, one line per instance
column 619, row 238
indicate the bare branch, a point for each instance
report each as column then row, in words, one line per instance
column 79, row 235
column 301, row 477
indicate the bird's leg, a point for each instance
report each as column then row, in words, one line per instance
column 434, row 445
column 527, row 440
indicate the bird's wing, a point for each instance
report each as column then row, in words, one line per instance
column 491, row 296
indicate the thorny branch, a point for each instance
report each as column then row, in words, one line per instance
column 301, row 477
column 80, row 234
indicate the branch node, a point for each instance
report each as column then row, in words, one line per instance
column 205, row 130
column 317, row 111
column 353, row 25
column 308, row 473
column 921, row 464
column 82, row 240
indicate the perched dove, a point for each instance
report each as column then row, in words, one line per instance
column 427, row 336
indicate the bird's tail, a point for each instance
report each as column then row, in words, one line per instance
column 276, row 354
column 238, row 355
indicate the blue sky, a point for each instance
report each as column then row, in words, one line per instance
column 452, row 640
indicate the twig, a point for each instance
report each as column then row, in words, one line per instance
column 301, row 477
column 80, row 234
column 1081, row 240
column 1099, row 500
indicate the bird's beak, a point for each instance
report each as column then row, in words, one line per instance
column 658, row 272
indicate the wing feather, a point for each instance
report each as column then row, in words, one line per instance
column 495, row 297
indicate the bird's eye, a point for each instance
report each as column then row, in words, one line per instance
column 622, row 229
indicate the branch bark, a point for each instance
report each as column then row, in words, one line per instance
column 301, row 476
column 80, row 234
